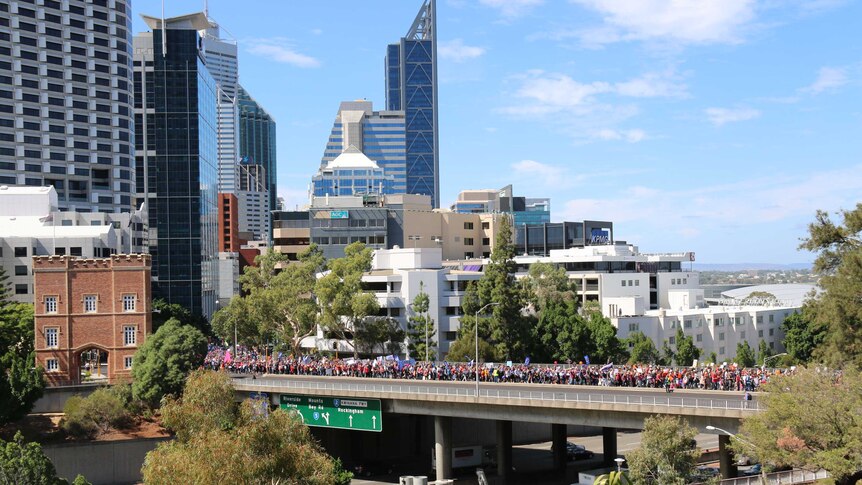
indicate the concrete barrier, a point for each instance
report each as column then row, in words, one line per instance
column 105, row 462
column 54, row 398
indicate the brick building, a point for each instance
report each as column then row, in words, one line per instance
column 85, row 305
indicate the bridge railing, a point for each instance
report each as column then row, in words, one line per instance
column 488, row 391
column 787, row 477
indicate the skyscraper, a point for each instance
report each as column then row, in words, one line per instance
column 220, row 55
column 66, row 101
column 379, row 135
column 411, row 86
column 176, row 141
column 257, row 140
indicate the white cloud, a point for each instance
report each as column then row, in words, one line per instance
column 293, row 197
column 681, row 21
column 653, row 85
column 280, row 50
column 720, row 116
column 455, row 50
column 709, row 208
column 512, row 8
column 548, row 175
column 828, row 79
column 317, row 31
column 631, row 136
column 583, row 109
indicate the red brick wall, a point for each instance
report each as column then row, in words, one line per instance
column 70, row 279
column 228, row 223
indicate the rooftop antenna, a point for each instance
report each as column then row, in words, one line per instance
column 164, row 32
column 206, row 9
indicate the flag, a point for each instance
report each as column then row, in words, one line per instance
column 527, row 360
column 587, row 359
column 227, row 357
column 607, row 367
column 470, row 363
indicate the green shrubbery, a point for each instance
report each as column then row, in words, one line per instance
column 105, row 408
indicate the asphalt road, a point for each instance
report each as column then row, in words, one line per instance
column 731, row 399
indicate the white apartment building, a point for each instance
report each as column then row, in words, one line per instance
column 32, row 225
column 713, row 329
column 396, row 277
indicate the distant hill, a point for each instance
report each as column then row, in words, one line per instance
column 750, row 266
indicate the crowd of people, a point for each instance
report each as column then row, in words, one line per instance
column 724, row 377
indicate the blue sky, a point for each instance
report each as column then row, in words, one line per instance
column 710, row 126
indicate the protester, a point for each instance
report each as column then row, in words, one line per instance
column 714, row 377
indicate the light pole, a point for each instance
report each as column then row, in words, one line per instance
column 745, row 441
column 619, row 462
column 766, row 359
column 476, row 327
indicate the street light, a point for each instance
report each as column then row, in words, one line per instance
column 766, row 359
column 476, row 326
column 745, row 441
column 619, row 462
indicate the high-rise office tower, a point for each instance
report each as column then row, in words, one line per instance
column 379, row 135
column 254, row 207
column 411, row 86
column 66, row 101
column 176, row 141
column 257, row 139
column 220, row 55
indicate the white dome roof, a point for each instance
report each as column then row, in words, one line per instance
column 352, row 158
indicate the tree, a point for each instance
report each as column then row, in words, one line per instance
column 420, row 328
column 384, row 332
column 837, row 310
column 85, row 417
column 164, row 311
column 509, row 331
column 744, row 355
column 464, row 348
column 561, row 333
column 22, row 462
column 21, row 385
column 643, row 349
column 207, row 403
column 343, row 302
column 4, row 288
column 218, row 442
column 165, row 359
column 802, row 336
column 686, row 351
column 613, row 478
column 545, row 283
column 608, row 347
column 667, row 355
column 763, row 351
column 666, row 455
column 810, row 419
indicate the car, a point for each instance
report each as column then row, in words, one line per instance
column 754, row 470
column 372, row 468
column 578, row 452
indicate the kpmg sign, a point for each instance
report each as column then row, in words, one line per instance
column 338, row 214
column 599, row 236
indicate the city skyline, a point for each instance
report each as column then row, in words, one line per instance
column 637, row 117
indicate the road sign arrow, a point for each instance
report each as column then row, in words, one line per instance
column 350, row 420
column 373, row 422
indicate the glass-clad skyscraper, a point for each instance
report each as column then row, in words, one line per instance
column 257, row 139
column 176, row 138
column 411, row 86
column 379, row 135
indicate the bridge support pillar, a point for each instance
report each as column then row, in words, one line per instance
column 558, row 445
column 443, row 446
column 725, row 457
column 609, row 445
column 504, row 449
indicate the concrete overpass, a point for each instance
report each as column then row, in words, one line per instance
column 560, row 405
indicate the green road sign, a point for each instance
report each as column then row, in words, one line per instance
column 336, row 412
